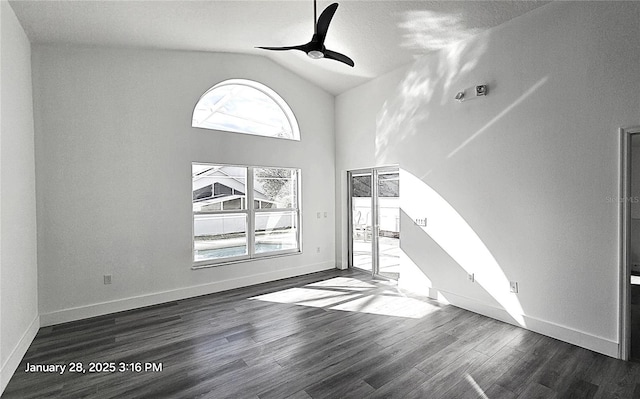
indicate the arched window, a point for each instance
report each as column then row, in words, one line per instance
column 244, row 106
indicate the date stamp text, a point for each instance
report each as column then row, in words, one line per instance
column 95, row 367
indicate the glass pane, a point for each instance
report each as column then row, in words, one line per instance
column 233, row 204
column 217, row 187
column 275, row 187
column 388, row 185
column 389, row 225
column 219, row 236
column 361, row 186
column 362, row 227
column 243, row 108
column 276, row 231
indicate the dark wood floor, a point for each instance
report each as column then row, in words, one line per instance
column 234, row 345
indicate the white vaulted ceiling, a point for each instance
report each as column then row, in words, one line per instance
column 378, row 35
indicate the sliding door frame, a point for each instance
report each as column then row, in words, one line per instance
column 375, row 217
column 624, row 316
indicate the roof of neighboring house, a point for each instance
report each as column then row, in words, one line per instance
column 227, row 176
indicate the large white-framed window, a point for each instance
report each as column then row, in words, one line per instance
column 243, row 212
column 245, row 106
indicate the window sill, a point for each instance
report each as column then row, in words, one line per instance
column 205, row 265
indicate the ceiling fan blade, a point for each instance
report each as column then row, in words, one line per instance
column 302, row 47
column 332, row 55
column 325, row 19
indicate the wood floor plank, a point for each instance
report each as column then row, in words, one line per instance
column 340, row 380
column 533, row 390
column 483, row 378
column 525, row 341
column 518, row 377
column 498, row 392
column 623, row 381
column 502, row 334
column 400, row 386
column 333, row 334
column 355, row 389
column 579, row 389
column 306, row 377
column 401, row 364
column 299, row 395
column 441, row 384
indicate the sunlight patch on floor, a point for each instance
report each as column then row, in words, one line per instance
column 309, row 297
column 353, row 295
column 388, row 305
column 344, row 282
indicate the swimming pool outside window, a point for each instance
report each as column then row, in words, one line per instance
column 244, row 212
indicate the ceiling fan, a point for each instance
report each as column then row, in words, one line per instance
column 315, row 48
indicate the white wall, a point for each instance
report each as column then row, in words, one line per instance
column 18, row 270
column 114, row 147
column 514, row 185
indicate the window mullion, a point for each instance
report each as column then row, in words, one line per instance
column 251, row 238
column 222, row 213
column 267, row 210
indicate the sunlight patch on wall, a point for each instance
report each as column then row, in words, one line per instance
column 430, row 83
column 399, row 116
column 425, row 30
column 496, row 118
column 456, row 61
column 453, row 234
column 412, row 278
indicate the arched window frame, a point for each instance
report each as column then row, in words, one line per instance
column 275, row 97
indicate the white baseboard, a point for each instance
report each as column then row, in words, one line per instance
column 563, row 333
column 119, row 305
column 13, row 361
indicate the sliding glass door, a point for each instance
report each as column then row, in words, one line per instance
column 374, row 230
column 362, row 243
column 388, row 214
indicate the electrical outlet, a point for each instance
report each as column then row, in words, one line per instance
column 325, row 215
column 107, row 278
column 318, row 215
column 318, row 250
column 513, row 287
column 471, row 277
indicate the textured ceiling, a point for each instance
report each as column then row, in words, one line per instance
column 378, row 35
